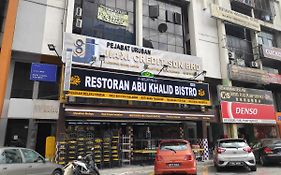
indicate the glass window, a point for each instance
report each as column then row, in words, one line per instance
column 160, row 40
column 233, row 144
column 12, row 156
column 2, row 158
column 92, row 26
column 22, row 87
column 174, row 146
column 31, row 156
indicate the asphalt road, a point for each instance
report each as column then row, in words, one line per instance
column 209, row 169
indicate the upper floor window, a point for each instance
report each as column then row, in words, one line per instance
column 239, row 45
column 242, row 6
column 163, row 26
column 23, row 87
column 264, row 10
column 110, row 19
column 266, row 39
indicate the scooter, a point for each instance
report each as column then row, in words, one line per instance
column 83, row 166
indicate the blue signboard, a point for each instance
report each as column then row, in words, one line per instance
column 43, row 72
column 279, row 118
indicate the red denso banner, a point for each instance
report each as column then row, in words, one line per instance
column 233, row 112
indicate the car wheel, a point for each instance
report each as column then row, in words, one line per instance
column 262, row 161
column 253, row 168
column 219, row 169
column 57, row 172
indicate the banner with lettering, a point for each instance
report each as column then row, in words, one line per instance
column 233, row 112
column 104, row 84
column 96, row 52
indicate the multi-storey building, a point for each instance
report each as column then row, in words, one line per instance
column 141, row 70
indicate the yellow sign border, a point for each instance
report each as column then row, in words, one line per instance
column 121, row 96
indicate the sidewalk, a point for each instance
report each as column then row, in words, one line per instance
column 134, row 169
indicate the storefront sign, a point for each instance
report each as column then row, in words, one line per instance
column 127, row 114
column 271, row 52
column 103, row 84
column 248, row 74
column 244, row 95
column 96, row 52
column 43, row 72
column 113, row 16
column 235, row 17
column 233, row 112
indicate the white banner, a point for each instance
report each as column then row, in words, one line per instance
column 97, row 52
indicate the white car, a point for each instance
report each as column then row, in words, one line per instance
column 23, row 161
column 233, row 152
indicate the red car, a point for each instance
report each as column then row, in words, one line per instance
column 174, row 156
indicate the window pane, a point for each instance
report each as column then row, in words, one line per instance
column 2, row 158
column 163, row 38
column 270, row 43
column 130, row 5
column 121, row 4
column 12, row 156
column 49, row 90
column 31, row 156
column 163, row 47
column 172, row 39
column 110, row 3
column 171, row 48
column 22, row 87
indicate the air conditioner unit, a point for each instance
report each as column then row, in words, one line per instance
column 254, row 64
column 78, row 11
column 78, row 23
column 231, row 55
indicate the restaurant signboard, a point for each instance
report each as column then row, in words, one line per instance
column 109, row 85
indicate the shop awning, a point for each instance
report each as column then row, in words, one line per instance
column 103, row 113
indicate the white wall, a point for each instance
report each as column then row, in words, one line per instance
column 204, row 37
column 39, row 22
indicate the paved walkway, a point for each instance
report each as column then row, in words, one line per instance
column 135, row 169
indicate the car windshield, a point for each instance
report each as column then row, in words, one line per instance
column 176, row 146
column 272, row 142
column 232, row 144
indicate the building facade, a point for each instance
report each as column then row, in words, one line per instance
column 122, row 75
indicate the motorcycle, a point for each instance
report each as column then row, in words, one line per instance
column 83, row 166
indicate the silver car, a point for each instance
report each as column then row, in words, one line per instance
column 233, row 152
column 23, row 161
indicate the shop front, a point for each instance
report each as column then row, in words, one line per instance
column 123, row 135
column 251, row 110
column 126, row 121
column 123, row 99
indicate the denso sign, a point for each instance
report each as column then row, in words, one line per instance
column 233, row 112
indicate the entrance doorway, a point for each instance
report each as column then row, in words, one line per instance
column 44, row 131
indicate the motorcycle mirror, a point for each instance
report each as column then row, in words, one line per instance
column 79, row 157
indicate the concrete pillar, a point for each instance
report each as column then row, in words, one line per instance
column 232, row 130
